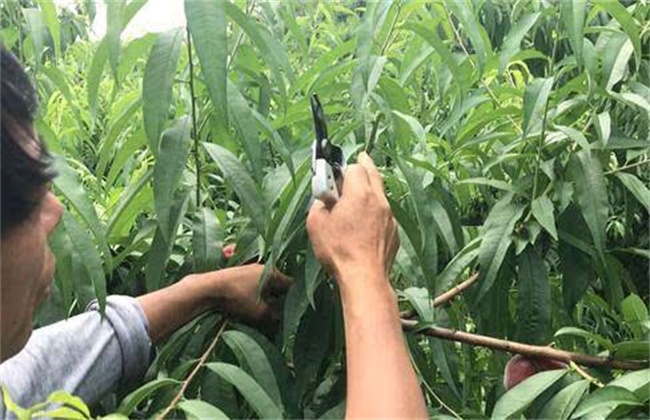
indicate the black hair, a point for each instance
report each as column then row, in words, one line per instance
column 23, row 176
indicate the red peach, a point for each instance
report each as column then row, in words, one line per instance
column 228, row 251
column 521, row 367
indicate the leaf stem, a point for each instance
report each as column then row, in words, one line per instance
column 632, row 165
column 446, row 296
column 196, row 369
column 580, row 371
column 197, row 162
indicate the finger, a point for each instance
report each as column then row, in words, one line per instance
column 317, row 212
column 376, row 180
column 278, row 284
column 355, row 181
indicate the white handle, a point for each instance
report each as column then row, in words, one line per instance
column 323, row 183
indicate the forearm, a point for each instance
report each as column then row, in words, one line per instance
column 381, row 380
column 172, row 307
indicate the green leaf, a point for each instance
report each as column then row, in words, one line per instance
column 615, row 57
column 157, row 84
column 576, row 136
column 113, row 32
column 84, row 247
column 252, row 358
column 636, row 187
column 637, row 382
column 627, row 22
column 167, row 173
column 632, row 350
column 579, row 332
column 517, row 399
column 426, row 245
column 457, row 265
column 512, row 43
column 247, row 190
column 68, row 184
column 131, row 401
column 206, row 21
column 51, row 20
column 244, row 121
column 312, row 274
column 573, row 15
column 254, row 394
column 536, row 96
column 270, row 49
column 497, row 238
column 421, row 301
column 206, row 240
column 34, row 19
column 542, row 208
column 198, row 409
column 162, row 243
column 76, row 403
column 533, row 298
column 462, row 9
column 94, row 76
column 591, row 194
column 603, row 401
column 443, row 50
column 635, row 313
column 562, row 404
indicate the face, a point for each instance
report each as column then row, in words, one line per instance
column 27, row 269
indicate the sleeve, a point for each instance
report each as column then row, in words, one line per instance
column 87, row 355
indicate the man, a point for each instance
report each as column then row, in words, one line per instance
column 89, row 356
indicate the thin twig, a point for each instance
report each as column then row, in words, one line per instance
column 446, row 296
column 580, row 371
column 428, row 387
column 622, row 168
column 196, row 369
column 521, row 348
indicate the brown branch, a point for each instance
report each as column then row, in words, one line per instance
column 446, row 296
column 521, row 348
column 187, row 381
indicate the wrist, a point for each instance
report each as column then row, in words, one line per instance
column 365, row 283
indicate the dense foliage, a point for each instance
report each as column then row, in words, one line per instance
column 513, row 138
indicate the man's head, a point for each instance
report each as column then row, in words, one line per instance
column 29, row 212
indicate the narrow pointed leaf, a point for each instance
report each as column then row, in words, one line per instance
column 564, row 402
column 635, row 186
column 206, row 21
column 533, row 298
column 627, row 22
column 591, row 195
column 157, row 84
column 252, row 358
column 197, row 409
column 496, row 240
column 247, row 190
column 254, row 394
column 542, row 208
column 535, row 98
column 167, row 173
column 517, row 399
column 603, row 401
column 573, row 15
column 206, row 241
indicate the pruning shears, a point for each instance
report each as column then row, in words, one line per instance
column 327, row 162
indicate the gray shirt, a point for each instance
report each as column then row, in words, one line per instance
column 86, row 355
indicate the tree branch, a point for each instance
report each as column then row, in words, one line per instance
column 446, row 296
column 187, row 381
column 521, row 348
